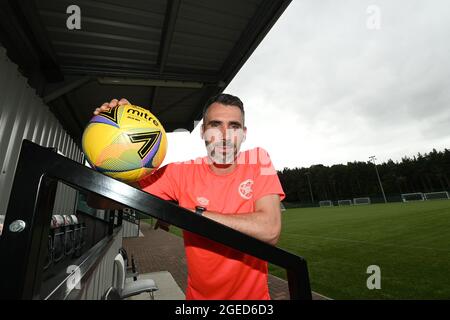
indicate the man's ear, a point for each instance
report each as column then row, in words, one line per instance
column 202, row 131
column 245, row 134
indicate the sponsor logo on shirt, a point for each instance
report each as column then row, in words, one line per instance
column 246, row 189
column 202, row 201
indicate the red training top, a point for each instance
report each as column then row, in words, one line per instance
column 216, row 271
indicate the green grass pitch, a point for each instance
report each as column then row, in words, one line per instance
column 410, row 242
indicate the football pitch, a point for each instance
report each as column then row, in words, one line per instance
column 410, row 242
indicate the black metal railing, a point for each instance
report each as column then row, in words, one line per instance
column 23, row 245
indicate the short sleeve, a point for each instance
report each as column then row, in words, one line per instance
column 163, row 183
column 266, row 180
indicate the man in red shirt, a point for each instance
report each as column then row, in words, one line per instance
column 238, row 189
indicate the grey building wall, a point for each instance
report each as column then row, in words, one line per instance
column 23, row 115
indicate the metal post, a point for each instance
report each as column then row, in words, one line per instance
column 372, row 158
column 110, row 218
column 310, row 189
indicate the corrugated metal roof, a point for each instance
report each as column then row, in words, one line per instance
column 201, row 41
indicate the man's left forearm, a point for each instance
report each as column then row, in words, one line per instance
column 261, row 225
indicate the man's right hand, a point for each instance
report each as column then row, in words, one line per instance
column 108, row 105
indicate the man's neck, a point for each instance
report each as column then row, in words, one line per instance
column 222, row 169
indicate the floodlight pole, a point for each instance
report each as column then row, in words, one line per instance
column 310, row 189
column 372, row 158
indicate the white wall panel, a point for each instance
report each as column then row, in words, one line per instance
column 23, row 115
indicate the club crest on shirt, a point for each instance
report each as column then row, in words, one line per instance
column 202, row 201
column 246, row 189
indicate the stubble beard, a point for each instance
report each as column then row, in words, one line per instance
column 227, row 157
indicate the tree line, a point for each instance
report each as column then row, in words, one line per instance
column 429, row 172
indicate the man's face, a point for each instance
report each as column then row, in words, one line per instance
column 223, row 131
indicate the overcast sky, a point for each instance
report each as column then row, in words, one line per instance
column 338, row 81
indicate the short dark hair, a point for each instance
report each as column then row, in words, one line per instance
column 225, row 99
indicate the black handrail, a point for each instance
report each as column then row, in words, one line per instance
column 22, row 253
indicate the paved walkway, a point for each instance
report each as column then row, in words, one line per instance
column 162, row 251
